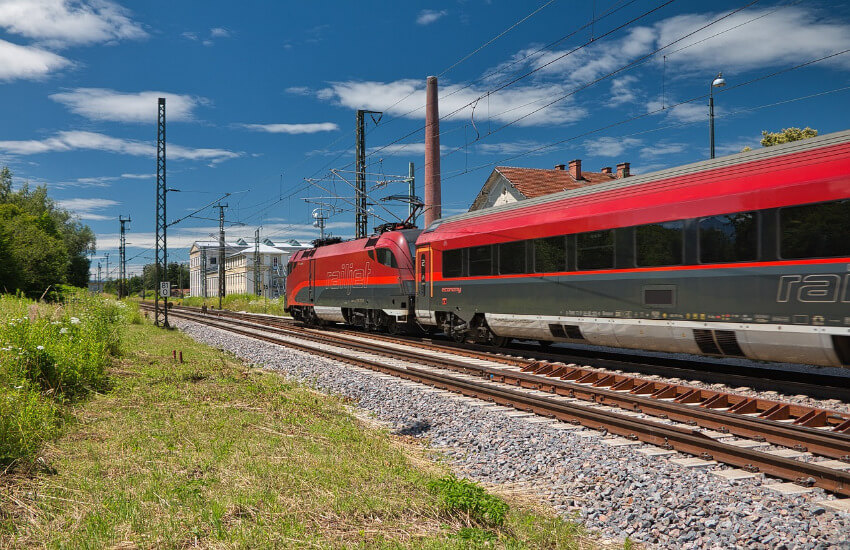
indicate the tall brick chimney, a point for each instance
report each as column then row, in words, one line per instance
column 433, row 199
column 575, row 169
column 623, row 170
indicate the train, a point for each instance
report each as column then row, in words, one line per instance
column 742, row 256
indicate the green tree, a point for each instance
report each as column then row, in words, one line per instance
column 40, row 243
column 5, row 183
column 787, row 135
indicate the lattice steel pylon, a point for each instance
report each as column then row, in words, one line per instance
column 361, row 216
column 161, row 255
column 122, row 259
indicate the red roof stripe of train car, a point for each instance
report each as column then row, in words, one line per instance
column 811, row 176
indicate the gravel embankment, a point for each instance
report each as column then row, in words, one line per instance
column 615, row 490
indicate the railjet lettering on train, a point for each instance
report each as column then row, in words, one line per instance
column 828, row 288
column 348, row 277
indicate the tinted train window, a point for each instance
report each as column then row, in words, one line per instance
column 659, row 244
column 816, row 230
column 480, row 261
column 550, row 254
column 386, row 257
column 595, row 250
column 729, row 238
column 512, row 258
column 453, row 263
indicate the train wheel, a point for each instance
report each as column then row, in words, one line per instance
column 392, row 326
column 500, row 341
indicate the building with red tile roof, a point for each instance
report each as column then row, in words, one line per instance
column 507, row 184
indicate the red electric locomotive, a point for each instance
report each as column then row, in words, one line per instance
column 366, row 283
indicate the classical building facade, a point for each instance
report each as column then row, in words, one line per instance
column 239, row 270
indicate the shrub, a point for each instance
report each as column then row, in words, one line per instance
column 469, row 501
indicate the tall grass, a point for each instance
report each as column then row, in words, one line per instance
column 51, row 354
column 240, row 302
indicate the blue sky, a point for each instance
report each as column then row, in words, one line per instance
column 262, row 96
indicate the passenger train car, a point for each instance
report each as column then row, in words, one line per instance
column 744, row 256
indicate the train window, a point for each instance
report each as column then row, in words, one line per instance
column 386, row 257
column 480, row 261
column 659, row 244
column 550, row 255
column 453, row 263
column 512, row 258
column 729, row 238
column 816, row 230
column 595, row 250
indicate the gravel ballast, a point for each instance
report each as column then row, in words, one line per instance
column 615, row 490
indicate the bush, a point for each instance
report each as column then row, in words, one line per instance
column 466, row 500
column 52, row 351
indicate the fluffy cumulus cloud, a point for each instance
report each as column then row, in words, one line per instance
column 523, row 104
column 105, row 104
column 307, row 128
column 82, row 140
column 66, row 22
column 754, row 38
column 87, row 209
column 27, row 62
column 610, row 146
column 426, row 17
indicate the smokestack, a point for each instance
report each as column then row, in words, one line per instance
column 623, row 170
column 433, row 199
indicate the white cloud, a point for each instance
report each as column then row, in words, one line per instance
column 791, row 35
column 138, row 176
column 659, row 149
column 511, row 148
column 189, row 35
column 622, row 90
column 407, row 97
column 426, row 17
column 64, row 22
column 82, row 140
column 219, row 32
column 27, row 62
column 310, row 128
column 610, row 146
column 299, row 90
column 396, row 149
column 105, row 104
column 86, row 208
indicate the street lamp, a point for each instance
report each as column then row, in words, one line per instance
column 718, row 82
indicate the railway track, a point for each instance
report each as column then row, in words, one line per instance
column 809, row 384
column 697, row 422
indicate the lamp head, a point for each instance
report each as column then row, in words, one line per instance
column 719, row 81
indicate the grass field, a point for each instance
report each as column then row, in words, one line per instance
column 210, row 453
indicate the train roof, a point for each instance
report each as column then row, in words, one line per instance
column 763, row 154
column 354, row 245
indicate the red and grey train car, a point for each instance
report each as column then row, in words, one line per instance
column 366, row 283
column 747, row 256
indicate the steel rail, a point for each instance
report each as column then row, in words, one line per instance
column 681, row 439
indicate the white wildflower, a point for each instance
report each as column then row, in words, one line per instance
column 63, row 330
column 39, row 347
column 75, row 321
